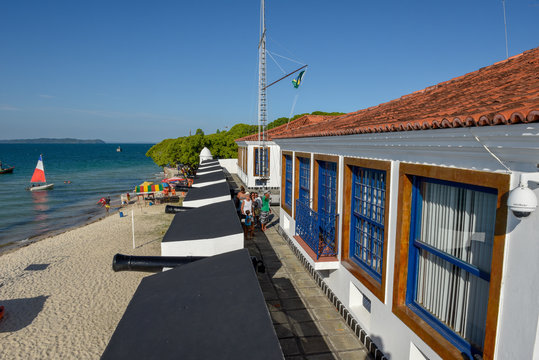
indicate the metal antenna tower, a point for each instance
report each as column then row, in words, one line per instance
column 262, row 104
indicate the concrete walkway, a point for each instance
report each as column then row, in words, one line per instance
column 306, row 322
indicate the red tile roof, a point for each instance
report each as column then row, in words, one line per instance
column 305, row 120
column 506, row 92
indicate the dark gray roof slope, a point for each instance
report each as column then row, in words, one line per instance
column 213, row 176
column 206, row 222
column 209, row 168
column 208, row 192
column 209, row 309
column 207, row 162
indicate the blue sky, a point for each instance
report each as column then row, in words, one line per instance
column 140, row 71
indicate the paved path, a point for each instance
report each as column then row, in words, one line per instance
column 306, row 322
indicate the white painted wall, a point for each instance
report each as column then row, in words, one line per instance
column 203, row 247
column 518, row 148
column 231, row 165
column 275, row 165
column 204, row 202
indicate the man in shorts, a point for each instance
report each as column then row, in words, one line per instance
column 265, row 211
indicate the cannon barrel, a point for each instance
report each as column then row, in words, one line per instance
column 173, row 209
column 122, row 262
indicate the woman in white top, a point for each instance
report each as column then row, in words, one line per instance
column 247, row 204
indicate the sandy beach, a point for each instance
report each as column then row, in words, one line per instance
column 62, row 299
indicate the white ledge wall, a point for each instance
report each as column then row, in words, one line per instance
column 202, row 247
column 275, row 164
column 207, row 183
column 518, row 148
column 203, row 202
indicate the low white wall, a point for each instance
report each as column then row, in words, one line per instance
column 204, row 202
column 231, row 165
column 202, row 247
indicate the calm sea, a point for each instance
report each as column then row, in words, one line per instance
column 95, row 170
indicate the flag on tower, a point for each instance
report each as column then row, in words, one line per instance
column 297, row 80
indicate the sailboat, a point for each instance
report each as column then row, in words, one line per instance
column 39, row 177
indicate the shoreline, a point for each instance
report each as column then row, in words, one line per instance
column 16, row 244
column 62, row 299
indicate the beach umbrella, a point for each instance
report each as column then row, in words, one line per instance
column 149, row 188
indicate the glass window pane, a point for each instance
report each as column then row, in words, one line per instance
column 457, row 220
column 367, row 219
column 455, row 297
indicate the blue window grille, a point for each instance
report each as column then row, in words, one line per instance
column 451, row 240
column 327, row 196
column 304, row 180
column 288, row 181
column 265, row 170
column 319, row 236
column 327, row 188
column 367, row 219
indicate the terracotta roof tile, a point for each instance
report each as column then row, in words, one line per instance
column 506, row 92
column 305, row 120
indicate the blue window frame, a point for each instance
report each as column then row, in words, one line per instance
column 367, row 219
column 451, row 241
column 288, row 181
column 304, row 180
column 327, row 188
column 264, row 171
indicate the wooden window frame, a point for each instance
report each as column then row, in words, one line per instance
column 245, row 153
column 497, row 181
column 284, row 206
column 328, row 158
column 240, row 157
column 254, row 160
column 296, row 175
column 377, row 288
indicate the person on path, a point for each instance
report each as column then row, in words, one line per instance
column 247, row 204
column 265, row 211
column 257, row 208
column 248, row 225
column 239, row 199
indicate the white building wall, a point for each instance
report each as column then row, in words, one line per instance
column 231, row 165
column 517, row 146
column 275, row 165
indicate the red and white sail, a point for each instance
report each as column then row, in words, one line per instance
column 39, row 172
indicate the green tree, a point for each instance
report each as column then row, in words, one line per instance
column 187, row 149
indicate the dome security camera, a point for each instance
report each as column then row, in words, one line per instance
column 522, row 201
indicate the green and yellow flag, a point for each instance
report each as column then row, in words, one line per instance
column 297, row 80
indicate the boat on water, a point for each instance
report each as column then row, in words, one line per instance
column 119, row 149
column 8, row 170
column 39, row 182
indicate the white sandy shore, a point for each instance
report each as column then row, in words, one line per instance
column 70, row 309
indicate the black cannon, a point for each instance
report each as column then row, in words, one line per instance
column 173, row 209
column 122, row 262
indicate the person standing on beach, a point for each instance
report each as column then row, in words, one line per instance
column 265, row 211
column 107, row 203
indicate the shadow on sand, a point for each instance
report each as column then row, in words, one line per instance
column 20, row 313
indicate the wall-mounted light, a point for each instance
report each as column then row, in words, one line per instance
column 522, row 200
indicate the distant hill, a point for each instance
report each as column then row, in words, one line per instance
column 51, row 141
